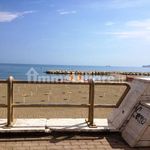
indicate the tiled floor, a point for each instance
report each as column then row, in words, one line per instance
column 83, row 141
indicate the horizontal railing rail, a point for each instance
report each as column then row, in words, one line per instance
column 52, row 105
column 91, row 105
column 62, row 105
column 3, row 81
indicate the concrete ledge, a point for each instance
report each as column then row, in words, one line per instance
column 48, row 125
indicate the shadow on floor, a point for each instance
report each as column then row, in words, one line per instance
column 113, row 139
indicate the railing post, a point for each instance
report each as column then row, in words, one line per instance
column 91, row 102
column 10, row 102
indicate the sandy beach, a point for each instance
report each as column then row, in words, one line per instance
column 64, row 94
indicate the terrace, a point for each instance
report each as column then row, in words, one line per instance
column 66, row 106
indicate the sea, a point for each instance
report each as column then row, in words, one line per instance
column 19, row 71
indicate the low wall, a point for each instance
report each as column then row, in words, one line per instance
column 132, row 117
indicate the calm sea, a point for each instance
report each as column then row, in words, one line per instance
column 19, row 70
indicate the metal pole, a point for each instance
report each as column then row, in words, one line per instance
column 10, row 102
column 91, row 102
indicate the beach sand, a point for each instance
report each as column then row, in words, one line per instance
column 58, row 93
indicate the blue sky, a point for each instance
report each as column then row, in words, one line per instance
column 75, row 32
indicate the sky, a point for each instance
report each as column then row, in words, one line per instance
column 75, row 32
